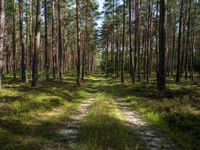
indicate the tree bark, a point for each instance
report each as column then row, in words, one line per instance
column 78, row 41
column 123, row 42
column 60, row 51
column 14, row 40
column 36, row 46
column 179, row 44
column 2, row 26
column 23, row 65
column 130, row 43
column 46, row 42
column 162, row 47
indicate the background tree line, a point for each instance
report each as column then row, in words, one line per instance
column 40, row 38
column 139, row 35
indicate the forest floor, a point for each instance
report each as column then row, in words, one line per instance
column 102, row 114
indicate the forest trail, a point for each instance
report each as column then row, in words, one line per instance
column 151, row 137
column 71, row 132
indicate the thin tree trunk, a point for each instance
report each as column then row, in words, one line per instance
column 46, row 42
column 59, row 43
column 23, row 65
column 179, row 44
column 187, row 43
column 123, row 43
column 130, row 43
column 2, row 25
column 53, row 42
column 78, row 40
column 14, row 40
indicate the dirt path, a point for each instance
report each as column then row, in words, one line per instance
column 151, row 137
column 71, row 131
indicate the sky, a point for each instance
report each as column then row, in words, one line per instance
column 100, row 9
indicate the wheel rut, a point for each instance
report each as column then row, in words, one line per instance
column 71, row 132
column 151, row 137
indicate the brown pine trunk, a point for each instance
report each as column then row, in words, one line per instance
column 123, row 42
column 162, row 47
column 2, row 25
column 188, row 41
column 46, row 43
column 53, row 40
column 36, row 46
column 132, row 73
column 78, row 41
column 179, row 44
column 23, row 65
column 60, row 52
column 14, row 40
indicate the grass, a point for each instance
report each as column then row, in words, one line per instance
column 176, row 111
column 105, row 128
column 30, row 117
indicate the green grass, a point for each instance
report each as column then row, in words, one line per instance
column 105, row 128
column 30, row 117
column 176, row 111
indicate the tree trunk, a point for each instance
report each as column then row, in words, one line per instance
column 23, row 65
column 188, row 41
column 162, row 47
column 59, row 43
column 2, row 25
column 46, row 42
column 78, row 41
column 36, row 46
column 14, row 40
column 123, row 42
column 130, row 43
column 53, row 40
column 179, row 44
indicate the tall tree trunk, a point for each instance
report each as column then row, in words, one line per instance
column 123, row 42
column 14, row 40
column 85, row 41
column 130, row 43
column 59, row 43
column 23, row 65
column 138, row 39
column 53, row 40
column 2, row 26
column 162, row 47
column 78, row 41
column 188, row 41
column 148, row 39
column 179, row 44
column 46, row 42
column 30, row 33
column 36, row 46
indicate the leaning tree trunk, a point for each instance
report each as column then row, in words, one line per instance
column 36, row 46
column 2, row 25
